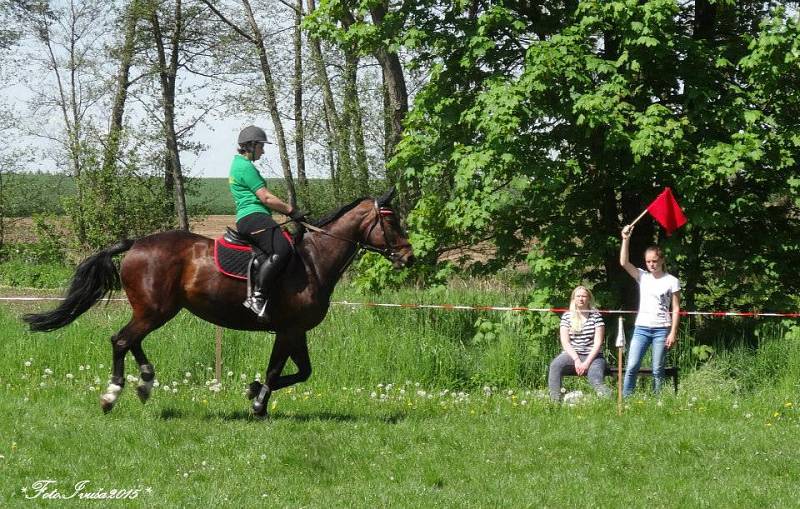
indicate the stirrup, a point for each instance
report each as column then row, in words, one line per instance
column 257, row 306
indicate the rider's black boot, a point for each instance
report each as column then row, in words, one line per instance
column 267, row 272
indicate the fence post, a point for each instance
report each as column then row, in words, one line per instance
column 218, row 355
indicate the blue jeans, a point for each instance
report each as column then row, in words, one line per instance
column 642, row 338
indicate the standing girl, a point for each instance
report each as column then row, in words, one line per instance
column 658, row 316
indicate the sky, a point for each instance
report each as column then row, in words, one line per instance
column 220, row 140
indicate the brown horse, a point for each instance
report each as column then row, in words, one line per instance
column 166, row 272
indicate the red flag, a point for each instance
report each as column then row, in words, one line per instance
column 667, row 212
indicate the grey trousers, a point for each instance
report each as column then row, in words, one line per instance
column 564, row 365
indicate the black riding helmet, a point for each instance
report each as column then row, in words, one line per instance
column 251, row 135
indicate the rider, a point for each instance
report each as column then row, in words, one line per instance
column 254, row 206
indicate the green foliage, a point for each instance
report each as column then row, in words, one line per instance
column 112, row 203
column 26, row 194
column 16, row 271
column 565, row 134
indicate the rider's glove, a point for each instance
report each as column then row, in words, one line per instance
column 297, row 215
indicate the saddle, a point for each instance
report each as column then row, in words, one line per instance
column 235, row 255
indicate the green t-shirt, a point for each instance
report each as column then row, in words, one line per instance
column 245, row 180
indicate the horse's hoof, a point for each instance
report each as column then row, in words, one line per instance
column 259, row 410
column 143, row 392
column 253, row 389
column 105, row 404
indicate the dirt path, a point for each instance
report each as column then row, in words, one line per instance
column 20, row 229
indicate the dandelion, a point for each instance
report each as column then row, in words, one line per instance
column 788, row 404
column 243, row 377
column 48, row 371
column 187, row 375
column 69, row 376
column 748, row 415
column 81, row 368
column 27, row 364
column 735, row 406
column 776, row 414
column 263, row 457
column 101, row 366
column 421, row 393
column 230, row 374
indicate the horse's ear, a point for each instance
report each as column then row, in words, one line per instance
column 386, row 199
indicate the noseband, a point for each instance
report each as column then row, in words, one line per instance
column 390, row 251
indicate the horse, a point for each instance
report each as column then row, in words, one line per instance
column 165, row 272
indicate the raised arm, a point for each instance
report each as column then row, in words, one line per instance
column 624, row 253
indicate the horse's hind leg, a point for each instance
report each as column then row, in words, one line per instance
column 128, row 338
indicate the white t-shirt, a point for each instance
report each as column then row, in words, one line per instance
column 655, row 299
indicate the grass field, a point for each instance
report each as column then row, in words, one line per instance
column 400, row 412
column 203, row 195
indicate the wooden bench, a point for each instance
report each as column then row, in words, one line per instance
column 670, row 371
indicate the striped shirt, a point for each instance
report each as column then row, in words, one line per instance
column 583, row 340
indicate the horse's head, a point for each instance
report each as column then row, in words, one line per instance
column 385, row 235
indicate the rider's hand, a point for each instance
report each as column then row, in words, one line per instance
column 297, row 215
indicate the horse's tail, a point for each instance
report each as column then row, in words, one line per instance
column 94, row 278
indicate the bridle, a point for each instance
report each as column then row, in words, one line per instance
column 390, row 251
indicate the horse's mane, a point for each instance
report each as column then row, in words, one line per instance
column 338, row 213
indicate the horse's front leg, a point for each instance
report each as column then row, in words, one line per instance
column 286, row 345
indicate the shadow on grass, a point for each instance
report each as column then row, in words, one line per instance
column 246, row 416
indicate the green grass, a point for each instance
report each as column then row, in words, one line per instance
column 395, row 415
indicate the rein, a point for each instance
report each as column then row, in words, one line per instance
column 388, row 252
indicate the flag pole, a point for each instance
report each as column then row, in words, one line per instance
column 640, row 216
column 620, row 350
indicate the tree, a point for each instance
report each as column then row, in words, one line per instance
column 168, row 72
column 545, row 128
column 70, row 37
column 253, row 35
column 370, row 28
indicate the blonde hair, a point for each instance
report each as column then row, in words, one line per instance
column 577, row 318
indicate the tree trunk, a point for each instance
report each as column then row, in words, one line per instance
column 332, row 120
column 355, row 119
column 299, row 127
column 272, row 104
column 120, row 97
column 167, row 74
column 395, row 83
